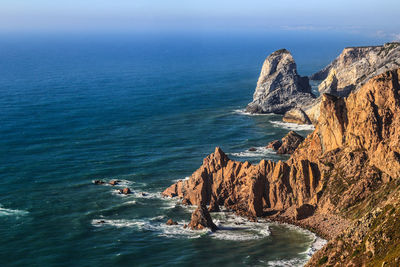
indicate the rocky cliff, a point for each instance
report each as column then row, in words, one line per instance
column 280, row 87
column 355, row 66
column 343, row 181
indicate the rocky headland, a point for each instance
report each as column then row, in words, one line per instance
column 341, row 182
column 281, row 90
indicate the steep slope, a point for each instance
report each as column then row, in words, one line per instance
column 280, row 87
column 346, row 174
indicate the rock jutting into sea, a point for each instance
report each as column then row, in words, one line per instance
column 343, row 181
column 281, row 90
column 288, row 144
column 280, row 87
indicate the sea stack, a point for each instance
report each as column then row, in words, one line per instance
column 280, row 87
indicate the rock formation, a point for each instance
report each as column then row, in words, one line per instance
column 171, row 222
column 347, row 73
column 280, row 87
column 345, row 175
column 288, row 144
column 201, row 219
column 355, row 66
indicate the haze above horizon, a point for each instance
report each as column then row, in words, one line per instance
column 366, row 17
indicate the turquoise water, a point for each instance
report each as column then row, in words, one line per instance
column 144, row 109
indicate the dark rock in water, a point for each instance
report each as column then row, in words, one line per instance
column 304, row 211
column 171, row 222
column 144, row 194
column 185, row 226
column 114, row 182
column 275, row 145
column 102, row 221
column 280, row 87
column 201, row 219
column 125, row 191
column 98, row 182
column 252, row 149
column 288, row 144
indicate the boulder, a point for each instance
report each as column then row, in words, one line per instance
column 125, row 191
column 296, row 115
column 201, row 219
column 171, row 222
column 252, row 149
column 114, row 182
column 98, row 182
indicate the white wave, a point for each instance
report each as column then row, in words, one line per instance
column 236, row 228
column 156, row 224
column 11, row 212
column 317, row 244
column 287, row 263
column 184, row 179
column 260, row 152
column 293, row 126
column 131, row 202
column 244, row 112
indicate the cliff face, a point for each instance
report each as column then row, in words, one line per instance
column 355, row 66
column 348, row 168
column 279, row 87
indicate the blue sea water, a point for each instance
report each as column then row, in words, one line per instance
column 144, row 109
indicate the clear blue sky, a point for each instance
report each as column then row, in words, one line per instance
column 378, row 16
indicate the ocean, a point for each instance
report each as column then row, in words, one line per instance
column 144, row 109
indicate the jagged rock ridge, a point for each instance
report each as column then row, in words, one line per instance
column 347, row 169
column 355, row 66
column 280, row 87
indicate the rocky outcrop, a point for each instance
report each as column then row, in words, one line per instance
column 296, row 115
column 288, row 144
column 280, row 87
column 201, row 219
column 355, row 66
column 347, row 169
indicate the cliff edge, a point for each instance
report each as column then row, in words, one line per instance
column 343, row 181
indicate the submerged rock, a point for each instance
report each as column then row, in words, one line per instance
column 252, row 149
column 280, row 87
column 98, row 182
column 201, row 219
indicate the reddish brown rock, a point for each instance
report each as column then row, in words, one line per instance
column 113, row 182
column 275, row 145
column 288, row 144
column 345, row 171
column 125, row 191
column 171, row 222
column 201, row 219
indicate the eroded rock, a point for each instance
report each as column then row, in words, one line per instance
column 201, row 219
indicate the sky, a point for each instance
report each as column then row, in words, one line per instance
column 378, row 17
